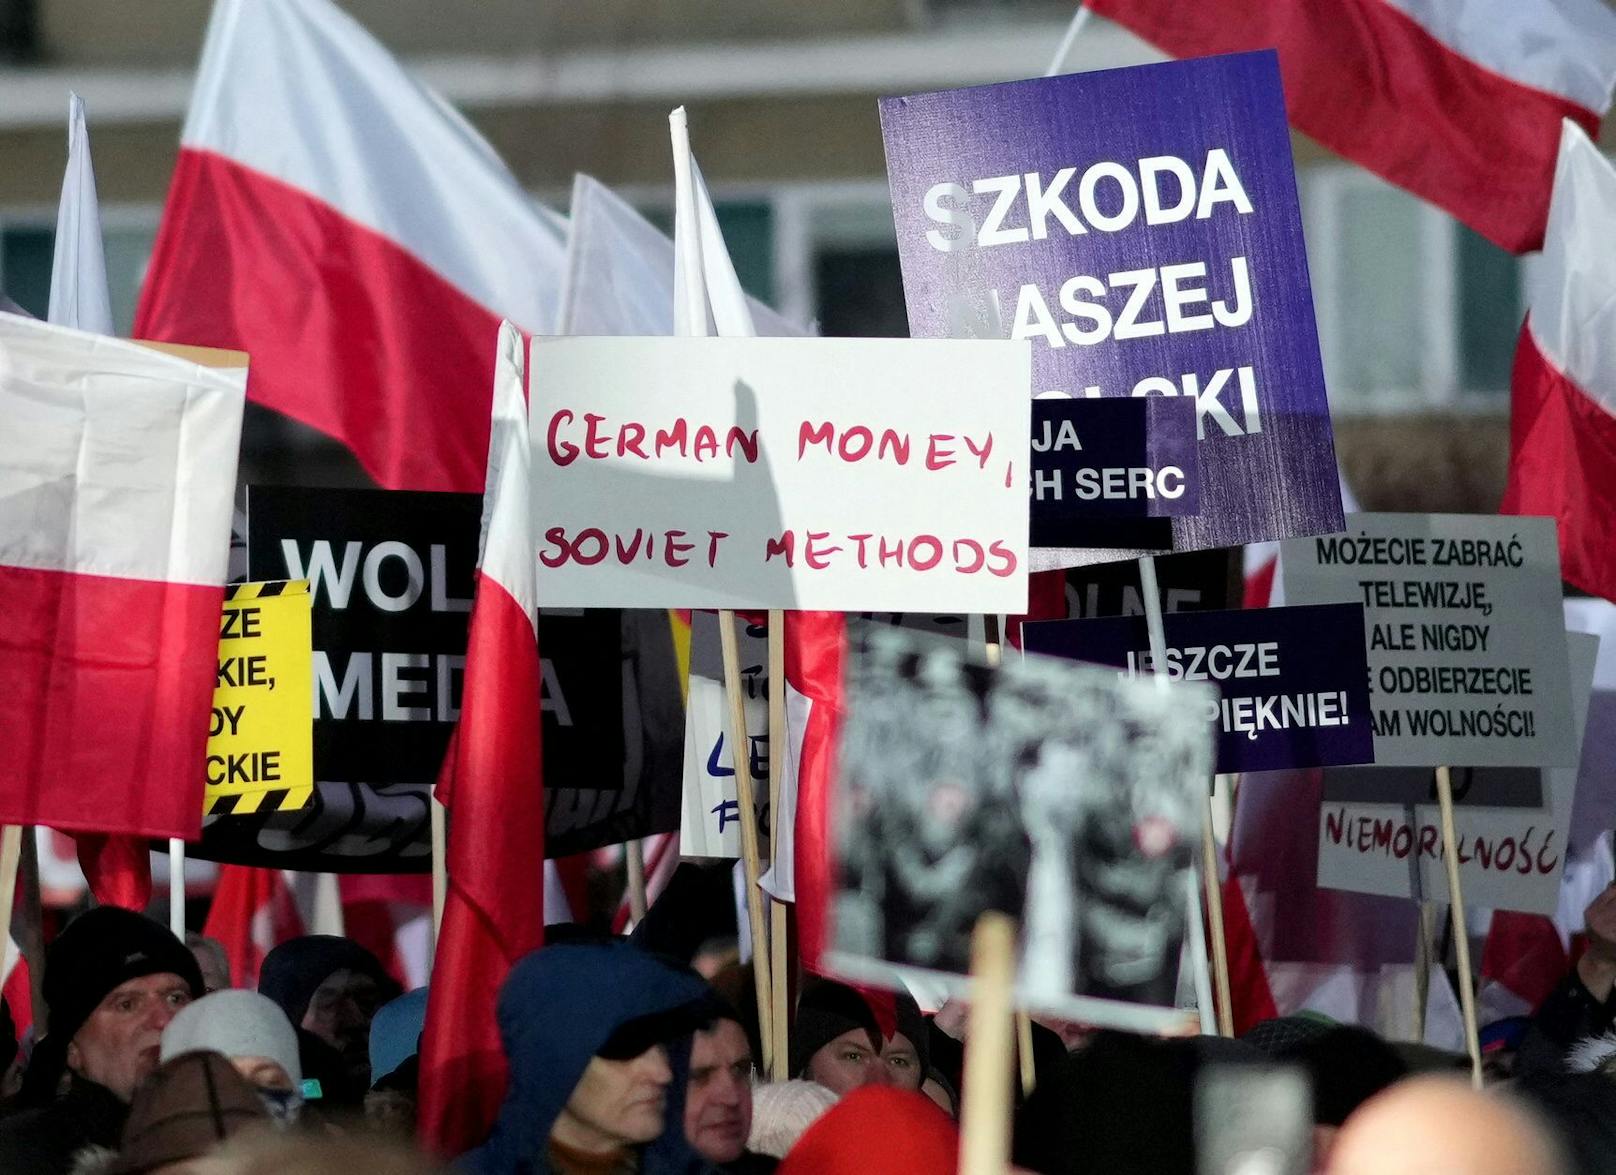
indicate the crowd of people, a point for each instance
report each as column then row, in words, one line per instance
column 623, row 1058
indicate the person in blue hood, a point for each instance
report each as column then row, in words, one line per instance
column 597, row 1037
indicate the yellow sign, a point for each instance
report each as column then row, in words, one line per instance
column 261, row 738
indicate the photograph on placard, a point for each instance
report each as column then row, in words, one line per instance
column 1059, row 794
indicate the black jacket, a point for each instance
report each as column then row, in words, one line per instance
column 44, row 1141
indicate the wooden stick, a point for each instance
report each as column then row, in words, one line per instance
column 10, row 856
column 1029, row 1070
column 1461, row 934
column 1150, row 595
column 985, row 1118
column 634, row 861
column 746, row 800
column 440, row 866
column 1214, row 918
column 32, row 937
column 176, row 887
column 1196, row 951
column 779, row 964
column 1425, row 959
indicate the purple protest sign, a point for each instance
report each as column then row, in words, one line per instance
column 1110, row 473
column 1141, row 226
column 1294, row 681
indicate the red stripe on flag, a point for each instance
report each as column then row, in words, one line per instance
column 117, row 868
column 1251, row 997
column 1562, row 462
column 494, row 911
column 347, row 331
column 1371, row 84
column 104, row 701
column 815, row 644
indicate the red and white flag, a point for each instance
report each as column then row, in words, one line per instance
column 1562, row 458
column 492, row 785
column 1458, row 101
column 708, row 300
column 253, row 911
column 117, row 470
column 343, row 225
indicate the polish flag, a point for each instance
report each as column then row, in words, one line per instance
column 1458, row 101
column 708, row 300
column 118, row 868
column 117, row 469
column 1562, row 457
column 492, row 785
column 253, row 912
column 343, row 225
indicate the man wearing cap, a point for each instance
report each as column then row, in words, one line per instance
column 598, row 1039
column 836, row 1039
column 113, row 981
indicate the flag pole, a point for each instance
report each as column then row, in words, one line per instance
column 989, row 1042
column 1461, row 933
column 1150, row 593
column 176, row 887
column 440, row 866
column 779, row 965
column 634, row 867
column 746, row 801
column 10, row 856
column 32, row 939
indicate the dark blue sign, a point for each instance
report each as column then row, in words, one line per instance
column 1294, row 681
column 1141, row 227
column 1110, row 473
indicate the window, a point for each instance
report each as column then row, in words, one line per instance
column 1415, row 311
column 27, row 246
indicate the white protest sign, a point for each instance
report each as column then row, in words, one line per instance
column 838, row 474
column 711, row 823
column 1463, row 614
column 1509, row 858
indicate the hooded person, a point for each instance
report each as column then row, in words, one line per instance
column 597, row 1041
column 113, row 981
column 330, row 987
column 254, row 1035
column 837, row 1039
column 877, row 1131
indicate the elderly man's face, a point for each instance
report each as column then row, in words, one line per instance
column 718, row 1105
column 118, row 1045
column 617, row 1104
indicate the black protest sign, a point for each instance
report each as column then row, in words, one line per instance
column 392, row 576
column 1481, row 787
column 1112, row 473
column 1195, row 581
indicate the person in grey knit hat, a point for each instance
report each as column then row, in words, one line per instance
column 782, row 1110
column 253, row 1033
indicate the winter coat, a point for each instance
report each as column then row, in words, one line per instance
column 47, row 1140
column 559, row 1006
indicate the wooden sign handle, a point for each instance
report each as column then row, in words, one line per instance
column 740, row 742
column 1461, row 934
column 989, row 1049
column 779, row 966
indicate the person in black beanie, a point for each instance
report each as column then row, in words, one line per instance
column 907, row 1053
column 113, row 981
column 836, row 1039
